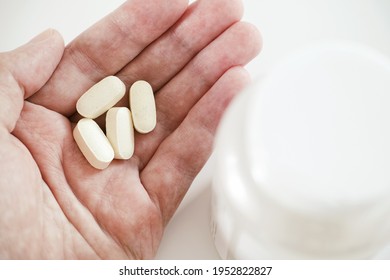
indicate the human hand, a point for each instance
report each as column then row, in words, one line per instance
column 53, row 204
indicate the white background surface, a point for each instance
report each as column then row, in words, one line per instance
column 285, row 25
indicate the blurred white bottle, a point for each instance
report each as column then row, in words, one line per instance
column 303, row 160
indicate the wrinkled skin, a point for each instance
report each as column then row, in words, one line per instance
column 53, row 204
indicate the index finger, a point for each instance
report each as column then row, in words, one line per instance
column 105, row 48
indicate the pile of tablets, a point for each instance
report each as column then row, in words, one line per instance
column 118, row 142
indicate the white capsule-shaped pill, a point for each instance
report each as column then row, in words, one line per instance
column 93, row 143
column 120, row 132
column 143, row 106
column 101, row 97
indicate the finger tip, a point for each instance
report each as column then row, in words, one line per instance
column 56, row 35
column 51, row 40
column 238, row 74
column 234, row 9
column 237, row 7
column 254, row 37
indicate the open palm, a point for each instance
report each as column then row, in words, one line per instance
column 53, row 204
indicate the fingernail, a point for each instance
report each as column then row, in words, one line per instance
column 42, row 36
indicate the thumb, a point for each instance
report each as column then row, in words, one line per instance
column 24, row 71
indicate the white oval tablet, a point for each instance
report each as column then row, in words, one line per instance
column 120, row 132
column 93, row 143
column 101, row 97
column 143, row 106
